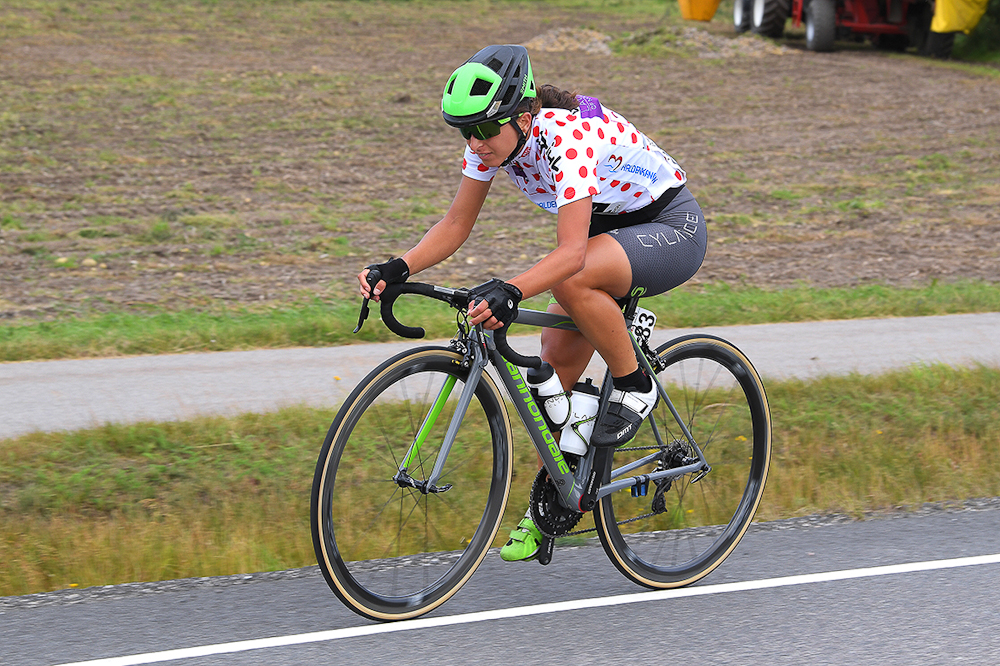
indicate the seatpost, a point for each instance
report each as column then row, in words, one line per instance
column 630, row 305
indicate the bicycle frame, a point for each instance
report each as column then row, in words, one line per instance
column 571, row 484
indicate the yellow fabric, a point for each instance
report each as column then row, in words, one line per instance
column 957, row 15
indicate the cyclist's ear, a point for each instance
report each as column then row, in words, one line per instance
column 524, row 121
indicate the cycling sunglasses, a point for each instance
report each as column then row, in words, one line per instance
column 484, row 131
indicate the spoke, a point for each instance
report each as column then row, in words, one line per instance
column 402, row 521
column 386, row 436
column 702, row 394
column 432, row 527
column 381, row 509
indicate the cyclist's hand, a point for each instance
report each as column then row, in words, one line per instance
column 493, row 304
column 394, row 270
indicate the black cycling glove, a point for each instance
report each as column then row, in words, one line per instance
column 394, row 270
column 501, row 297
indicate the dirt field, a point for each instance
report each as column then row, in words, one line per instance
column 207, row 156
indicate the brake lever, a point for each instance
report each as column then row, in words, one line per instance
column 374, row 275
column 363, row 316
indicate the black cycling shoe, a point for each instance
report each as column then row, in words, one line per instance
column 626, row 411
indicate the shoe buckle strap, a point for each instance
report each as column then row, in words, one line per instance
column 633, row 401
column 528, row 525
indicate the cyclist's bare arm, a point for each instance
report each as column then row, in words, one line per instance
column 570, row 255
column 566, row 260
column 445, row 237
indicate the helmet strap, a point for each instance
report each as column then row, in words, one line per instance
column 521, row 140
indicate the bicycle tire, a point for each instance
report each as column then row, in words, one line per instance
column 391, row 552
column 722, row 401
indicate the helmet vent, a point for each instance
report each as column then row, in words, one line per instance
column 451, row 85
column 480, row 88
column 509, row 95
column 495, row 64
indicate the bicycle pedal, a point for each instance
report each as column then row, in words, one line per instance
column 545, row 550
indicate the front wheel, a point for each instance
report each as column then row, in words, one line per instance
column 390, row 548
column 680, row 531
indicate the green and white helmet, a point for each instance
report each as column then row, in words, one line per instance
column 489, row 86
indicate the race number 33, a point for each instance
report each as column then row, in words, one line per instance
column 642, row 325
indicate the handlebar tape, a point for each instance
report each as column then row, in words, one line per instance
column 500, row 339
column 388, row 298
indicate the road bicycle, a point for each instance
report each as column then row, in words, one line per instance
column 414, row 475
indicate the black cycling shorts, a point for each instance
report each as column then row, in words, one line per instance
column 667, row 251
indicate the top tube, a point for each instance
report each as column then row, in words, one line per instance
column 459, row 299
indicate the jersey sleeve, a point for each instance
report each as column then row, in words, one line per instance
column 572, row 159
column 474, row 168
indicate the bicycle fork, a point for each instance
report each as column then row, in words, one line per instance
column 429, row 485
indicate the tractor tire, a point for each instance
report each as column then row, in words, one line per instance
column 769, row 16
column 938, row 44
column 821, row 25
column 742, row 9
column 918, row 24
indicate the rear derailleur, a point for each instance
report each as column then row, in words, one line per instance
column 674, row 455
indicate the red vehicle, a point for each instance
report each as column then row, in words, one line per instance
column 888, row 24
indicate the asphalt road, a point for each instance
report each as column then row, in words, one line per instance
column 747, row 612
column 860, row 604
column 65, row 395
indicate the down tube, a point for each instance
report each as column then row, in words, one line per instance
column 541, row 436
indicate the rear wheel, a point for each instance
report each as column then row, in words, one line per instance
column 388, row 548
column 821, row 25
column 681, row 530
column 768, row 17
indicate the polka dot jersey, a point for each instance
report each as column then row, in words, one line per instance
column 571, row 155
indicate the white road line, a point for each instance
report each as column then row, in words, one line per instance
column 540, row 609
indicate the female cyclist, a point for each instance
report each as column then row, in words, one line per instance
column 626, row 225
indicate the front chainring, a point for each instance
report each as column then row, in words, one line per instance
column 551, row 518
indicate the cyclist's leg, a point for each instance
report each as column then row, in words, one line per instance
column 668, row 251
column 662, row 254
column 655, row 257
column 589, row 298
column 568, row 352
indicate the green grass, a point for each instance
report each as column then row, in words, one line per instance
column 722, row 304
column 317, row 323
column 218, row 496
